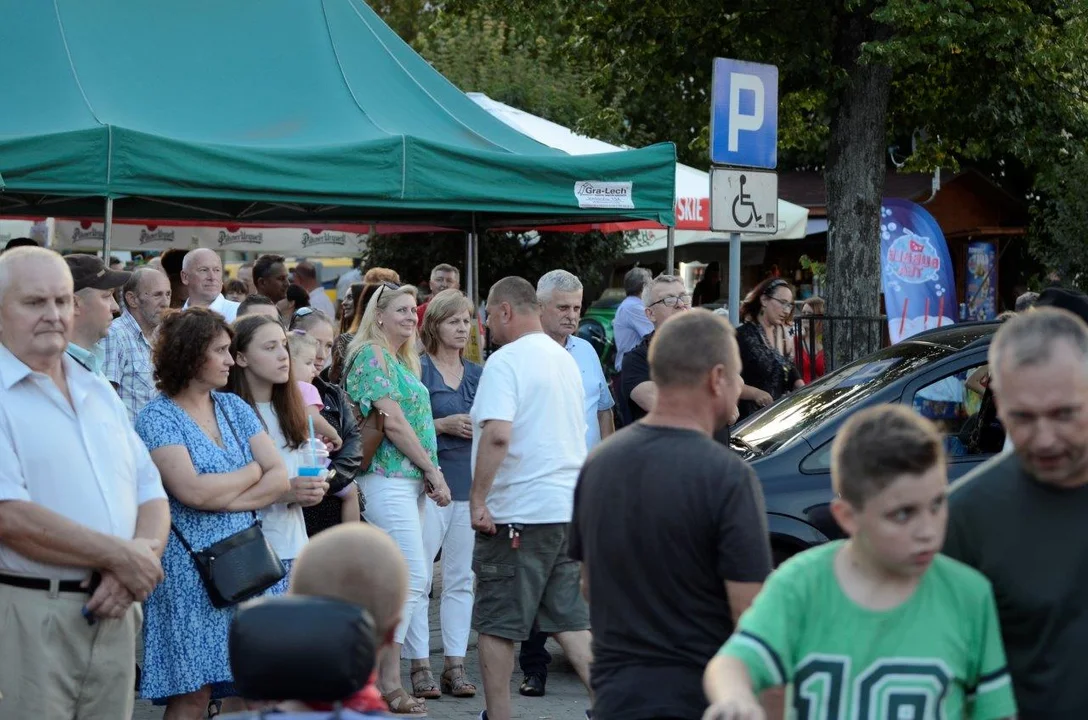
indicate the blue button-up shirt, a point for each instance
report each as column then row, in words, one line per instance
column 629, row 327
column 127, row 364
column 90, row 359
column 598, row 397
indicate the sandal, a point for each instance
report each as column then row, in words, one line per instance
column 401, row 703
column 426, row 687
column 454, row 683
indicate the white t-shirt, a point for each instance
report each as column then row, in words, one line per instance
column 319, row 300
column 227, row 308
column 283, row 525
column 534, row 384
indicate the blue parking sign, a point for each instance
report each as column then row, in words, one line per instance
column 744, row 114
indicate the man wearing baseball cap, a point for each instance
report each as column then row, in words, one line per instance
column 94, row 285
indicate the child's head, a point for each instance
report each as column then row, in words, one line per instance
column 888, row 472
column 303, row 354
column 359, row 564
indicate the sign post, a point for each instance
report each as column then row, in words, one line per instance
column 743, row 135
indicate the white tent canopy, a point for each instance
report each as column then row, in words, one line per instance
column 692, row 185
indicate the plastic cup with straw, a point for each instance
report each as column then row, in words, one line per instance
column 313, row 467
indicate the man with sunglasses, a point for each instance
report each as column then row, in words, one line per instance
column 663, row 297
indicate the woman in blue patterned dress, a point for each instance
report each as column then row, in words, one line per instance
column 383, row 375
column 262, row 377
column 218, row 466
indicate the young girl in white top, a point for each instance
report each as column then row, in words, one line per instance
column 262, row 377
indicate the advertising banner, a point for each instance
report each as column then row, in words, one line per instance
column 916, row 271
column 981, row 283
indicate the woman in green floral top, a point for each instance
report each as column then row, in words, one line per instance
column 383, row 375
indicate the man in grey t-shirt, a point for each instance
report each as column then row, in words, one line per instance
column 1019, row 518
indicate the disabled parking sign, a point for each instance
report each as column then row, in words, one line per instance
column 743, row 201
column 744, row 114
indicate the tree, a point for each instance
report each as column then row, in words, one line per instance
column 590, row 256
column 967, row 80
column 524, row 69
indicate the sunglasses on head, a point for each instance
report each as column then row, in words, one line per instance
column 304, row 311
column 774, row 285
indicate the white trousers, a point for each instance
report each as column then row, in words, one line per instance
column 396, row 506
column 448, row 528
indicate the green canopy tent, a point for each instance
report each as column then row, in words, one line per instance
column 275, row 111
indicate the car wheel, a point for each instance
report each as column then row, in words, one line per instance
column 780, row 553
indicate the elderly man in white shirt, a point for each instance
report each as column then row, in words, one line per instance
column 202, row 275
column 83, row 515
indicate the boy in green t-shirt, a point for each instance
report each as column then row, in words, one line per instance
column 880, row 626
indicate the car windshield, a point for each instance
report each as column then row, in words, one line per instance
column 831, row 395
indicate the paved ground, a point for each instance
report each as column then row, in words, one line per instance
column 566, row 698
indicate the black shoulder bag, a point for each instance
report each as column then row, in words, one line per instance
column 237, row 567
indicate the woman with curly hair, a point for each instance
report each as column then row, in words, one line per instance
column 219, row 466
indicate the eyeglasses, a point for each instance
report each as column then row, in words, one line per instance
column 780, row 301
column 674, row 300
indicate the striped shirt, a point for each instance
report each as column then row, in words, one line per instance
column 128, row 365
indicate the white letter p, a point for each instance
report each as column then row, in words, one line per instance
column 737, row 120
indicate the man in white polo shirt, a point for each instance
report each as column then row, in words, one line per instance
column 528, row 445
column 83, row 515
column 560, row 296
column 202, row 275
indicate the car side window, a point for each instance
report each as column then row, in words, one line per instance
column 953, row 404
column 819, row 460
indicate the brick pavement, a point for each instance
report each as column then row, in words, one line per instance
column 566, row 698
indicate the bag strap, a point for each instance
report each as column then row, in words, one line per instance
column 256, row 520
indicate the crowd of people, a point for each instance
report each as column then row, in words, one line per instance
column 161, row 466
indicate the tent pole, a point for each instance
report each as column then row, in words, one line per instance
column 475, row 263
column 734, row 279
column 670, row 252
column 470, row 281
column 108, row 231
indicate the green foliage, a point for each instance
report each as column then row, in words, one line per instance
column 522, row 68
column 817, row 268
column 997, row 83
column 1059, row 216
column 590, row 256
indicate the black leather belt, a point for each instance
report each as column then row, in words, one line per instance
column 70, row 586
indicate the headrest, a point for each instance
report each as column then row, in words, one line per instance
column 292, row 647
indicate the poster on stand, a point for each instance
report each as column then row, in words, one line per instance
column 981, row 281
column 916, row 271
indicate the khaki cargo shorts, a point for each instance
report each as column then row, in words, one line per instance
column 535, row 581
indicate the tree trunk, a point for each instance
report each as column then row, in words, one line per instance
column 855, row 185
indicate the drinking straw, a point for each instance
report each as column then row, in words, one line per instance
column 903, row 317
column 313, row 451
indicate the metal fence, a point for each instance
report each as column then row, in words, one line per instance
column 860, row 336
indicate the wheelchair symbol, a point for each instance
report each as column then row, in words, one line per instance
column 744, row 200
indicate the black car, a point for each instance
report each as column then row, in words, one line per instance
column 789, row 443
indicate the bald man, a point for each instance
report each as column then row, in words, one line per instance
column 83, row 514
column 649, row 655
column 528, row 444
column 307, row 279
column 358, row 564
column 202, row 276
